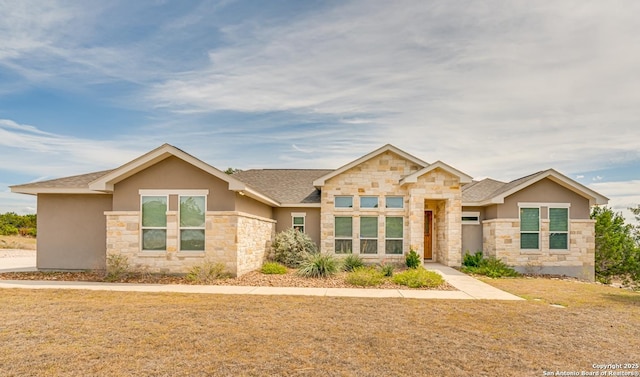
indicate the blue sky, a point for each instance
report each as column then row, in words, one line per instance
column 497, row 89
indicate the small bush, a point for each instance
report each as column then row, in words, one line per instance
column 118, row 267
column 291, row 247
column 365, row 277
column 207, row 272
column 491, row 267
column 273, row 268
column 319, row 265
column 412, row 259
column 351, row 262
column 418, row 278
column 472, row 260
column 387, row 269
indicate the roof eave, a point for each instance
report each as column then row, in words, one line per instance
column 54, row 190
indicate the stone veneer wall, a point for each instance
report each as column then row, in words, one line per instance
column 237, row 239
column 380, row 176
column 501, row 238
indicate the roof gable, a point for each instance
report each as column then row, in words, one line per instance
column 507, row 189
column 106, row 182
column 387, row 148
column 413, row 178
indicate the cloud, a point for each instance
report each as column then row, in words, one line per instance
column 622, row 195
column 520, row 87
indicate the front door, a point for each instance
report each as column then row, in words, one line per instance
column 428, row 232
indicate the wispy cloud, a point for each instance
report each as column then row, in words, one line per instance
column 537, row 85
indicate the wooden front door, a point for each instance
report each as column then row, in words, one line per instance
column 428, row 234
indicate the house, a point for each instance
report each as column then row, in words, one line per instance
column 168, row 211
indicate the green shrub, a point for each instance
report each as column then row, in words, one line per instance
column 412, row 259
column 8, row 230
column 418, row 278
column 291, row 247
column 207, row 272
column 470, row 260
column 365, row 277
column 118, row 267
column 387, row 269
column 491, row 267
column 351, row 262
column 273, row 268
column 319, row 265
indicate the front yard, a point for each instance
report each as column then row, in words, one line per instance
column 78, row 333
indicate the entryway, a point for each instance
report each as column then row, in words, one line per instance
column 428, row 235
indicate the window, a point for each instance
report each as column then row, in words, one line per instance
column 558, row 228
column 192, row 219
column 344, row 201
column 470, row 218
column 369, row 202
column 154, row 222
column 344, row 235
column 396, row 202
column 393, row 235
column 297, row 221
column 369, row 235
column 530, row 228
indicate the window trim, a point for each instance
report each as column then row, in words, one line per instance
column 369, row 238
column 341, row 238
column 387, row 238
column 143, row 228
column 386, row 205
column 303, row 215
column 475, row 214
column 181, row 228
column 567, row 232
column 538, row 232
column 335, row 202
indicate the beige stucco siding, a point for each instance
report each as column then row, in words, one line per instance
column 472, row 233
column 71, row 231
column 545, row 191
column 312, row 221
column 251, row 206
column 173, row 174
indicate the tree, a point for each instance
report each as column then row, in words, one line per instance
column 617, row 250
column 232, row 171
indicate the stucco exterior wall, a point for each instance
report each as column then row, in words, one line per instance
column 545, row 191
column 236, row 239
column 173, row 174
column 472, row 233
column 502, row 240
column 71, row 232
column 312, row 221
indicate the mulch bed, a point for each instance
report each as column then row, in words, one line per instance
column 254, row 278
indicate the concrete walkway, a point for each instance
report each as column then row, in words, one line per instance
column 468, row 288
column 17, row 260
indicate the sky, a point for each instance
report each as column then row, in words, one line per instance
column 497, row 89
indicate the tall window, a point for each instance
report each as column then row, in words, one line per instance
column 530, row 228
column 192, row 220
column 369, row 235
column 297, row 221
column 558, row 228
column 368, row 202
column 344, row 234
column 154, row 222
column 393, row 235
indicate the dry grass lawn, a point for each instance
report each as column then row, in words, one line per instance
column 78, row 333
column 17, row 242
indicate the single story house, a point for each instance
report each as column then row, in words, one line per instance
column 167, row 211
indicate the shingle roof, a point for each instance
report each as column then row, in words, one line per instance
column 73, row 182
column 478, row 191
column 285, row 185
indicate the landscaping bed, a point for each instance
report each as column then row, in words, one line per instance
column 254, row 278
